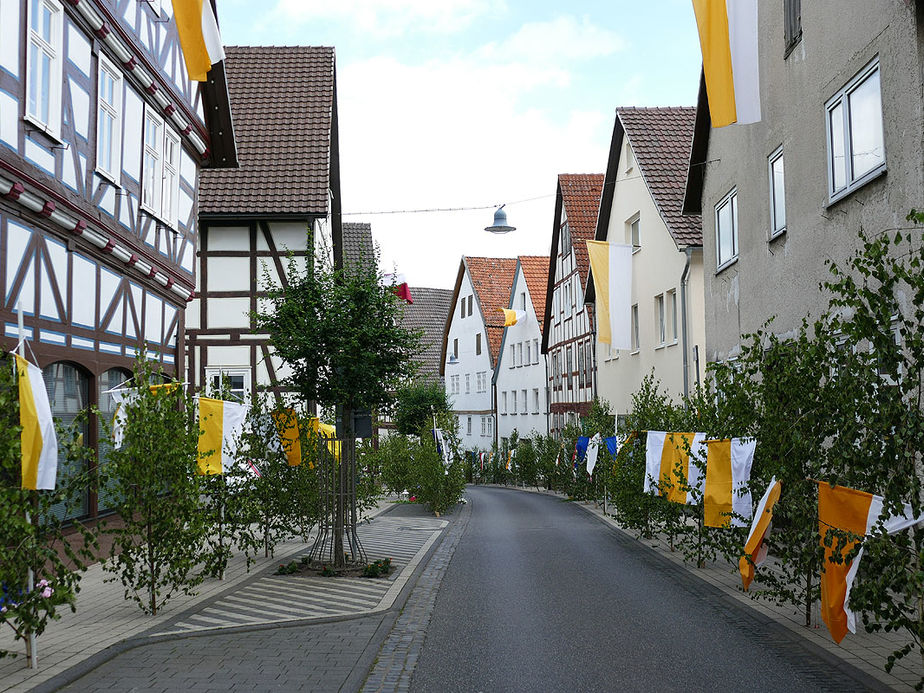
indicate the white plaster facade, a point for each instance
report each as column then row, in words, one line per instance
column 521, row 378
column 659, row 267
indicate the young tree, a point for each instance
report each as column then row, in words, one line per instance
column 158, row 544
column 416, row 404
column 340, row 333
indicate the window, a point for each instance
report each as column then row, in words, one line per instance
column 630, row 158
column 171, row 178
column 672, row 315
column 528, row 356
column 478, row 344
column 523, row 300
column 661, row 319
column 490, row 426
column 535, row 351
column 484, row 426
column 152, row 167
column 468, row 383
column 856, row 151
column 237, row 381
column 635, row 341
column 524, row 403
column 777, row 194
column 792, row 21
column 520, row 354
column 513, row 401
column 633, row 235
column 462, row 308
column 726, row 229
column 469, row 426
column 109, row 120
column 470, row 305
column 569, row 366
column 581, row 365
column 565, row 239
column 455, row 348
column 43, row 66
column 535, row 400
column 503, row 403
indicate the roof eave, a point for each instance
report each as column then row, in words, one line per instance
column 218, row 119
column 699, row 149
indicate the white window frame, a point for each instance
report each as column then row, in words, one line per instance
column 54, row 50
column 777, row 226
column 672, row 314
column 468, row 383
column 524, row 402
column 661, row 319
column 635, row 335
column 152, row 174
column 504, row 401
column 109, row 166
column 213, row 372
column 731, row 198
column 535, row 400
column 634, row 232
column 842, row 98
column 169, row 211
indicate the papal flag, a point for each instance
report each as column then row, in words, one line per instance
column 592, row 448
column 755, row 550
column 728, row 38
column 124, row 398
column 219, row 422
column 512, row 317
column 199, row 37
column 37, row 438
column 611, row 264
column 728, row 473
column 666, row 454
column 287, row 427
column 859, row 513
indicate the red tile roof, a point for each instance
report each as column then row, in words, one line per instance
column 282, row 100
column 580, row 197
column 536, row 272
column 492, row 278
column 661, row 140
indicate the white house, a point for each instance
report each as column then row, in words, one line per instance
column 471, row 344
column 641, row 206
column 521, row 378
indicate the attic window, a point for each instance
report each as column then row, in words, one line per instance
column 630, row 158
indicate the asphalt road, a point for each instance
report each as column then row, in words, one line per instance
column 542, row 596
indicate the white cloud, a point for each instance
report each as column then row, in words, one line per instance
column 563, row 39
column 389, row 17
column 456, row 134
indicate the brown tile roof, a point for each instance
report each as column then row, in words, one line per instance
column 357, row 244
column 428, row 314
column 580, row 197
column 282, row 99
column 492, row 278
column 536, row 272
column 661, row 139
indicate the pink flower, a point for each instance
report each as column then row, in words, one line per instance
column 47, row 592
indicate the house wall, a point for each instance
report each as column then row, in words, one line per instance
column 520, row 373
column 571, row 389
column 657, row 268
column 96, row 275
column 780, row 277
column 238, row 263
column 470, row 402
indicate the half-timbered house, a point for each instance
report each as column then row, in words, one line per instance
column 280, row 205
column 102, row 136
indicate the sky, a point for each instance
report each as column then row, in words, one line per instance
column 454, row 104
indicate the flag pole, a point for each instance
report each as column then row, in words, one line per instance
column 31, row 654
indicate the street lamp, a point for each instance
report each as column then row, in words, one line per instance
column 500, row 222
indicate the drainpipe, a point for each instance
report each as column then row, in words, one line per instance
column 494, row 400
column 684, row 278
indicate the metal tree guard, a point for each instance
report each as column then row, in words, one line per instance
column 337, row 542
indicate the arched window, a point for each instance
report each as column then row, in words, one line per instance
column 68, row 392
column 109, row 380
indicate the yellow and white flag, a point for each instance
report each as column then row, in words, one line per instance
column 611, row 264
column 512, row 317
column 122, row 400
column 857, row 512
column 39, row 443
column 593, row 446
column 728, row 472
column 219, row 421
column 199, row 37
column 755, row 551
column 287, row 427
column 664, row 453
column 728, row 38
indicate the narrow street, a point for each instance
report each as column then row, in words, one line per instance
column 541, row 596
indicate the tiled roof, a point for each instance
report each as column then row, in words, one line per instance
column 580, row 197
column 357, row 244
column 428, row 314
column 281, row 102
column 492, row 278
column 536, row 271
column 661, row 139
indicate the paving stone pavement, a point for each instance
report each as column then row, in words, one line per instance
column 394, row 667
